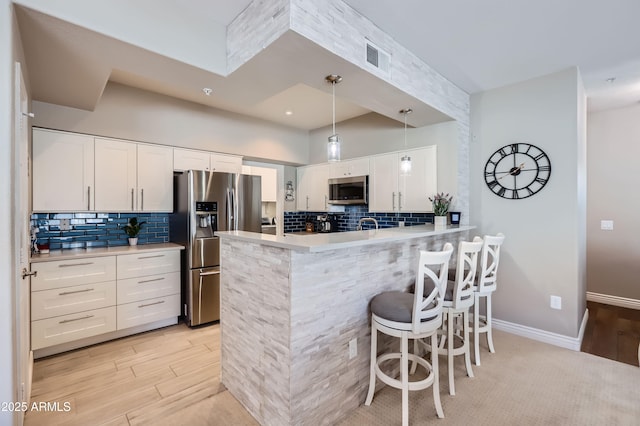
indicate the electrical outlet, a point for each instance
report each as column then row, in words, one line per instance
column 353, row 348
column 65, row 225
column 606, row 225
column 556, row 302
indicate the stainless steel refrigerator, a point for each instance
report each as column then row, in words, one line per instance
column 204, row 203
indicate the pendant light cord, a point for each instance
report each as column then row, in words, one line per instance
column 405, row 129
column 333, row 87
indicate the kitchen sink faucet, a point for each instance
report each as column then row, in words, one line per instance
column 366, row 219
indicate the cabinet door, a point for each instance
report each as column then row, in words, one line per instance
column 356, row 167
column 187, row 159
column 383, row 183
column 62, row 171
column 313, row 187
column 67, row 328
column 269, row 181
column 155, row 178
column 115, row 175
column 421, row 183
column 226, row 163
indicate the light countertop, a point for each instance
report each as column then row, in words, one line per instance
column 319, row 242
column 102, row 251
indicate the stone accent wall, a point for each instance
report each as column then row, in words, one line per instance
column 288, row 317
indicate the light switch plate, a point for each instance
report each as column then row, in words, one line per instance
column 65, row 225
column 606, row 225
column 556, row 302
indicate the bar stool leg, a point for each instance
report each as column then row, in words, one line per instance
column 450, row 355
column 414, row 364
column 404, row 377
column 489, row 332
column 436, row 375
column 476, row 328
column 372, row 369
column 467, row 352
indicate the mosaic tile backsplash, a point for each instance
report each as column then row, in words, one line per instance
column 97, row 229
column 348, row 221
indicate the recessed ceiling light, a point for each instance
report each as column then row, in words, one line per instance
column 207, row 91
column 288, row 112
column 610, row 80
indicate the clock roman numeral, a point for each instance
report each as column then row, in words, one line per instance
column 515, row 194
column 514, row 148
column 541, row 180
column 502, row 191
column 544, row 168
column 492, row 184
column 539, row 156
column 502, row 152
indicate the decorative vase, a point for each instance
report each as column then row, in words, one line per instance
column 133, row 241
column 440, row 222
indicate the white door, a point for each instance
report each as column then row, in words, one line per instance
column 22, row 241
column 62, row 171
column 115, row 175
column 383, row 183
column 155, row 178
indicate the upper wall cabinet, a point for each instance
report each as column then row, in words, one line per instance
column 63, row 168
column 269, row 181
column 188, row 159
column 347, row 168
column 391, row 191
column 313, row 187
column 74, row 172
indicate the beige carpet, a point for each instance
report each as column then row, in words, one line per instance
column 524, row 383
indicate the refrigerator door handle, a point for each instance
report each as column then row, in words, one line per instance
column 234, row 201
column 229, row 210
column 204, row 274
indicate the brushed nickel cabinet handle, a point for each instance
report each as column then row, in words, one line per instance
column 393, row 200
column 142, row 199
column 400, row 200
column 26, row 273
column 75, row 319
column 132, row 207
column 88, row 198
column 69, row 265
column 150, row 281
column 150, row 257
column 151, row 304
column 64, row 293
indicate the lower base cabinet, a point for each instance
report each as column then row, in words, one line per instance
column 79, row 301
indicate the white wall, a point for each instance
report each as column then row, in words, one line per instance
column 129, row 113
column 7, row 296
column 542, row 254
column 613, row 140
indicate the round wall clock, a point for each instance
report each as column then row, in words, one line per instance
column 517, row 171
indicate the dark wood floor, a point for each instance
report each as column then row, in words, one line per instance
column 612, row 332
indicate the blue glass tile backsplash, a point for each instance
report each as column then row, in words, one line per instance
column 97, row 229
column 347, row 221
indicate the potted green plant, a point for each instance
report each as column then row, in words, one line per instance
column 132, row 229
column 441, row 203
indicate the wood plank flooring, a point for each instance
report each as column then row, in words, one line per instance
column 159, row 377
column 612, row 332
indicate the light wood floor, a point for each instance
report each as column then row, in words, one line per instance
column 142, row 379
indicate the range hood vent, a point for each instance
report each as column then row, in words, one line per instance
column 377, row 58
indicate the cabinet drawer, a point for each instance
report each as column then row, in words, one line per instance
column 54, row 331
column 70, row 300
column 150, row 263
column 152, row 286
column 66, row 273
column 138, row 313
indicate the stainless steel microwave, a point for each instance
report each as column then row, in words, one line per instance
column 348, row 190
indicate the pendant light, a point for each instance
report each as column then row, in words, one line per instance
column 405, row 161
column 333, row 146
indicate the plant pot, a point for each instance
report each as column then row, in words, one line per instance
column 440, row 222
column 133, row 241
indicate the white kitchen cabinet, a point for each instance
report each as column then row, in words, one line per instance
column 268, row 179
column 133, row 177
column 155, row 178
column 348, row 168
column 313, row 187
column 226, row 163
column 72, row 299
column 188, row 159
column 63, row 171
column 116, row 175
column 390, row 191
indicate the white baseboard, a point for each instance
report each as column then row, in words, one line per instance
column 623, row 302
column 573, row 343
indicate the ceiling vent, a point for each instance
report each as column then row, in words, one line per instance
column 378, row 58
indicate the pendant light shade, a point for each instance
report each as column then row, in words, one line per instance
column 333, row 145
column 405, row 161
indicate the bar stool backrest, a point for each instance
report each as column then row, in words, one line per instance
column 489, row 261
column 434, row 266
column 466, row 273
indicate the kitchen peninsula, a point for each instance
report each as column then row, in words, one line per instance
column 291, row 305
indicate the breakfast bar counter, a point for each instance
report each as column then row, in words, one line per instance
column 290, row 306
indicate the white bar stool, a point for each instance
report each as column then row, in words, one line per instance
column 485, row 286
column 458, row 298
column 411, row 316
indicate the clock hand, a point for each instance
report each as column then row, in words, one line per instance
column 512, row 171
